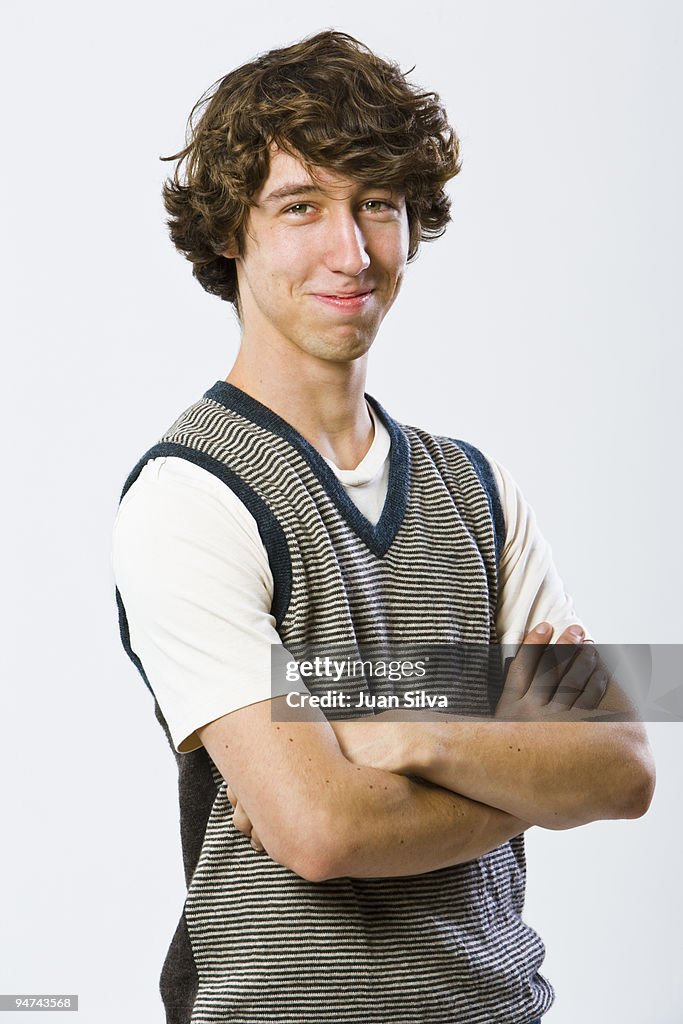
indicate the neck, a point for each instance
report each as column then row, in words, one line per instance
column 323, row 400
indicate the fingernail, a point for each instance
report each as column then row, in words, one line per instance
column 543, row 628
column 577, row 633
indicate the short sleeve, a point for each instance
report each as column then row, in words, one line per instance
column 530, row 589
column 196, row 585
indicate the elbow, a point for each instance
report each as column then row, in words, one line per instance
column 631, row 782
column 309, row 850
column 626, row 790
column 628, row 775
column 319, row 870
column 642, row 782
column 313, row 864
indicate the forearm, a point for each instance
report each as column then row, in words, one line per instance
column 557, row 775
column 372, row 823
column 394, row 826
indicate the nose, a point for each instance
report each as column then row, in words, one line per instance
column 346, row 250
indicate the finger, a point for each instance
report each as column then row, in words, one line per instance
column 256, row 842
column 241, row 821
column 571, row 638
column 574, row 634
column 576, row 677
column 548, row 671
column 555, row 662
column 230, row 793
column 594, row 690
column 523, row 666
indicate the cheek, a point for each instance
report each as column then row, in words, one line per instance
column 398, row 281
column 397, row 260
column 288, row 263
column 394, row 250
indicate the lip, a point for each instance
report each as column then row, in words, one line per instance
column 349, row 301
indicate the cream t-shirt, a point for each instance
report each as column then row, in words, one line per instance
column 196, row 583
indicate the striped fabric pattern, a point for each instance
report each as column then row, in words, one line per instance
column 257, row 943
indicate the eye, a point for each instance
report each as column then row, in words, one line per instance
column 299, row 209
column 378, row 203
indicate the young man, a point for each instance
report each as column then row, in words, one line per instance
column 350, row 871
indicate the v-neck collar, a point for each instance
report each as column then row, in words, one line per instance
column 378, row 538
column 373, row 463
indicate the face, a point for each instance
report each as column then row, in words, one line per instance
column 322, row 262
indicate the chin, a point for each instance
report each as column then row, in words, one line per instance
column 349, row 353
column 335, row 350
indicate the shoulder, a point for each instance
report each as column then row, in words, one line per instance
column 170, row 490
column 176, row 526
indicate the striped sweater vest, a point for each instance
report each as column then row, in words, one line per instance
column 255, row 942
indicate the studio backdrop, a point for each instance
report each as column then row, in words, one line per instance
column 544, row 327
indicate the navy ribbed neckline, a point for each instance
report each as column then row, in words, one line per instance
column 378, row 538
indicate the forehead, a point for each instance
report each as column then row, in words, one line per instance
column 286, row 169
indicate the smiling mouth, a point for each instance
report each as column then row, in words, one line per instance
column 350, row 301
column 345, row 295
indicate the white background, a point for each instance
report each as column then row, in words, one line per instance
column 543, row 328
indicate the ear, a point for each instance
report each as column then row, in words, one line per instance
column 231, row 252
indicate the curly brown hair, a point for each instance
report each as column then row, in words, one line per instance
column 334, row 104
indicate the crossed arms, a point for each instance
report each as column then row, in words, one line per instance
column 390, row 798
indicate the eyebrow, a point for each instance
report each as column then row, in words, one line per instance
column 301, row 188
column 291, row 188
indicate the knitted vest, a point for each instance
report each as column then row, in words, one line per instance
column 255, row 942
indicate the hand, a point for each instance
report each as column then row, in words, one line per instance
column 242, row 822
column 547, row 683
